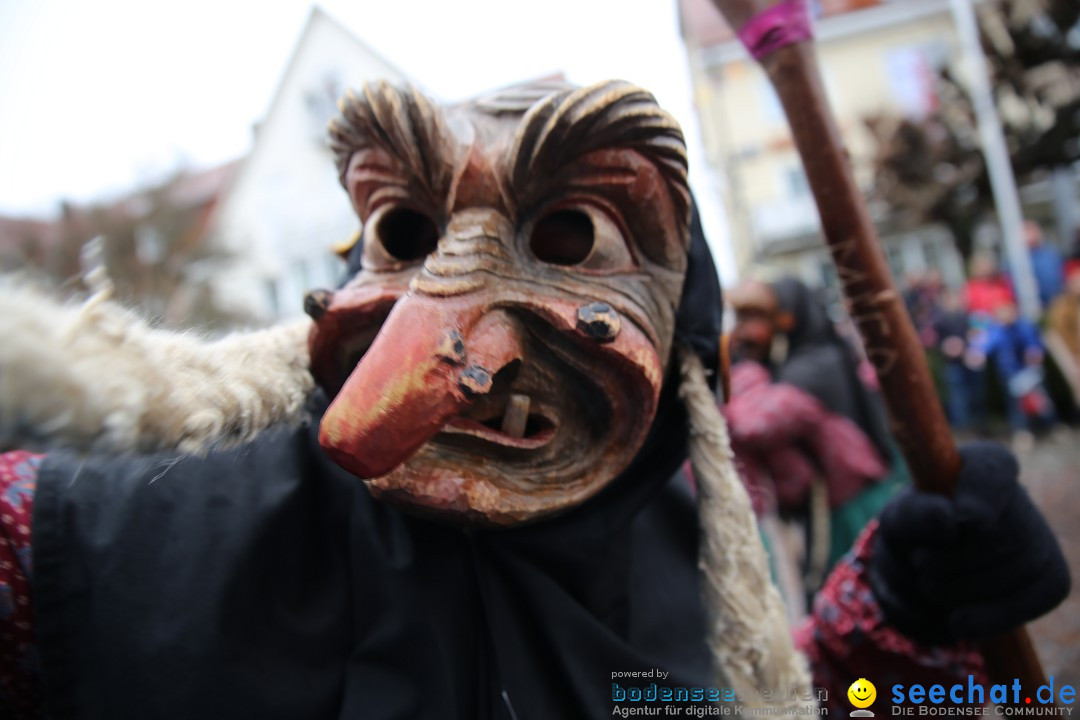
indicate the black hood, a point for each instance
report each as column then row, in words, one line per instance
column 822, row 363
column 265, row 581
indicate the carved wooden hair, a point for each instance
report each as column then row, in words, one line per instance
column 559, row 123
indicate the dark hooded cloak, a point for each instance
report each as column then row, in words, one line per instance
column 822, row 364
column 266, row 582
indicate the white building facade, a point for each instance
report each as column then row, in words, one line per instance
column 876, row 57
column 286, row 210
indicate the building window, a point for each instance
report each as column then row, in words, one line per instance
column 894, row 253
column 301, row 276
column 335, row 269
column 932, row 253
column 321, row 99
column 273, row 297
column 912, row 78
column 771, row 109
column 795, row 183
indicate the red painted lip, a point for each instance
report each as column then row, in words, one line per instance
column 545, row 432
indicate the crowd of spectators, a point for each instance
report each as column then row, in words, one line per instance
column 989, row 357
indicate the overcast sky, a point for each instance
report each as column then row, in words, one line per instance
column 98, row 96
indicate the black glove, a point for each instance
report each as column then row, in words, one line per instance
column 971, row 566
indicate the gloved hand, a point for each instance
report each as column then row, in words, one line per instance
column 971, row 566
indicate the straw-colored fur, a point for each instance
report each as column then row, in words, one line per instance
column 748, row 632
column 96, row 376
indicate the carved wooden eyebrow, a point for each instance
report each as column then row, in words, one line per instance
column 401, row 121
column 568, row 124
column 559, row 125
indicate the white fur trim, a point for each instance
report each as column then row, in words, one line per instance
column 96, row 376
column 748, row 631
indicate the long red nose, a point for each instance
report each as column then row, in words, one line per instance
column 432, row 358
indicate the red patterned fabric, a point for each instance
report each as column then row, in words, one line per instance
column 847, row 638
column 20, row 691
column 782, row 436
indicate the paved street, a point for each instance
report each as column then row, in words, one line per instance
column 1051, row 472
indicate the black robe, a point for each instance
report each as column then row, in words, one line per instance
column 266, row 582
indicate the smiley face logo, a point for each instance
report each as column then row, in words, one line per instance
column 862, row 693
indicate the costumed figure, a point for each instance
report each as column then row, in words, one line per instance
column 810, row 438
column 457, row 492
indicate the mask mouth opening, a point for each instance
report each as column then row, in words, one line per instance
column 544, row 422
column 506, row 417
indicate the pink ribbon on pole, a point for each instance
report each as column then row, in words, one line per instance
column 772, row 29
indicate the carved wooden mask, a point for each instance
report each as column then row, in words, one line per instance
column 499, row 357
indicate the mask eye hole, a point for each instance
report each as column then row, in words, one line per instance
column 405, row 234
column 565, row 237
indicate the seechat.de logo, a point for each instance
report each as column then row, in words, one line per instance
column 973, row 698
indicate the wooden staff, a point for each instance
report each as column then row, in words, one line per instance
column 777, row 34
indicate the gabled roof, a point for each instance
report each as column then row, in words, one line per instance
column 318, row 27
column 316, row 17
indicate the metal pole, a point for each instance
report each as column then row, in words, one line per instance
column 1063, row 183
column 998, row 165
